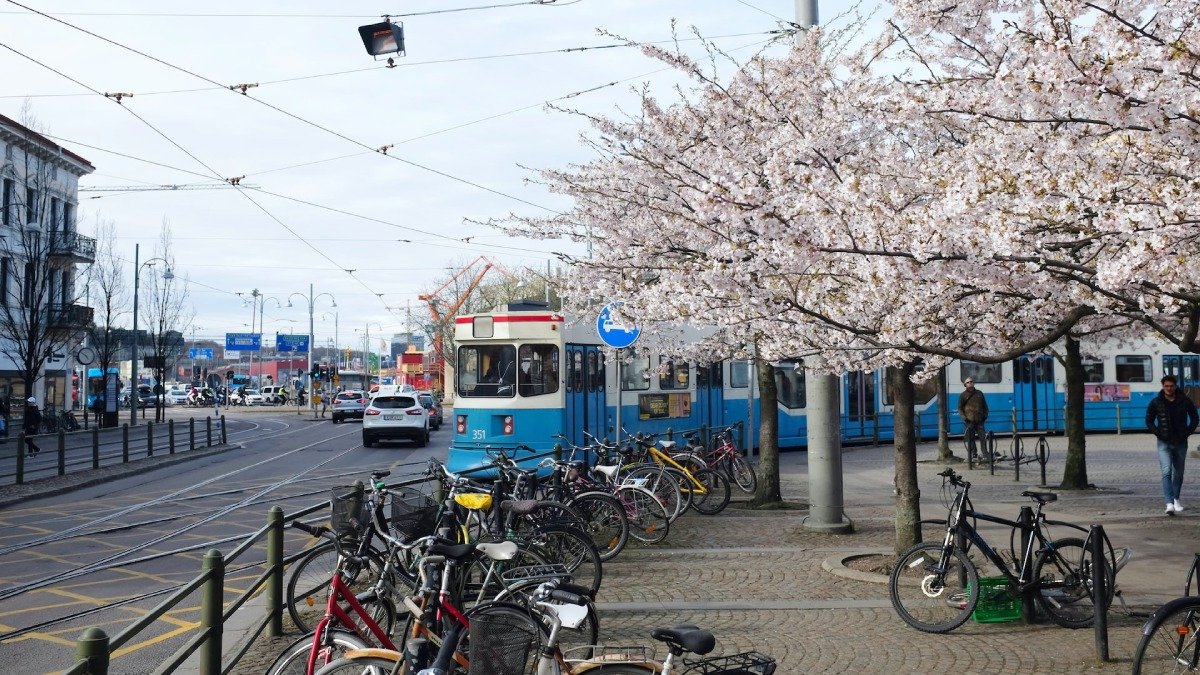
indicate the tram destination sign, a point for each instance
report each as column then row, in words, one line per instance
column 612, row 331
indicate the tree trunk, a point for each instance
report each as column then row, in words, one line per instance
column 945, row 454
column 908, row 492
column 767, row 492
column 1075, row 473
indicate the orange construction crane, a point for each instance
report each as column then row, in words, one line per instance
column 438, row 365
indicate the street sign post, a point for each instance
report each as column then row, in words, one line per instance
column 293, row 344
column 614, row 333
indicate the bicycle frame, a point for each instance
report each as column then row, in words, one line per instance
column 334, row 611
column 1030, row 532
column 664, row 459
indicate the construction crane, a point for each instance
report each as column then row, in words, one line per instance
column 154, row 188
column 480, row 266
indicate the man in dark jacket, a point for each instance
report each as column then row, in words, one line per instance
column 1171, row 417
column 33, row 423
column 973, row 409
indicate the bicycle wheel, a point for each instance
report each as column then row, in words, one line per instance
column 685, row 496
column 661, row 483
column 1068, row 566
column 714, row 496
column 293, row 660
column 743, row 474
column 360, row 665
column 648, row 520
column 308, row 585
column 1171, row 640
column 623, row 669
column 571, row 548
column 603, row 519
column 483, row 579
column 928, row 601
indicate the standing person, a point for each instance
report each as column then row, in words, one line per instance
column 973, row 409
column 33, row 423
column 1171, row 417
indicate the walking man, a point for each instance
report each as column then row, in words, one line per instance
column 33, row 423
column 973, row 409
column 1171, row 417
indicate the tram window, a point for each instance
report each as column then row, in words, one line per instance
column 1093, row 370
column 538, row 373
column 1134, row 369
column 483, row 327
column 789, row 385
column 672, row 375
column 635, row 373
column 596, row 371
column 982, row 373
column 575, row 378
column 923, row 392
column 739, row 374
column 487, row 370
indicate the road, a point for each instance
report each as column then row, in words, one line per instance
column 133, row 535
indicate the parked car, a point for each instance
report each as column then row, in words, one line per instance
column 177, row 394
column 145, row 396
column 349, row 403
column 433, row 406
column 391, row 416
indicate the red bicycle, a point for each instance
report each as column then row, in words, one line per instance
column 726, row 457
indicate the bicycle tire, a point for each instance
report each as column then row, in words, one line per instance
column 603, row 519
column 572, row 548
column 360, row 665
column 1069, row 562
column 308, row 583
column 925, row 603
column 716, row 494
column 293, row 660
column 685, row 496
column 648, row 521
column 1170, row 639
column 623, row 669
column 742, row 473
column 659, row 481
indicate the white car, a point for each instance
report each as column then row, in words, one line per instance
column 176, row 395
column 390, row 416
column 253, row 397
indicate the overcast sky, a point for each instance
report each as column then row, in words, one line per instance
column 461, row 104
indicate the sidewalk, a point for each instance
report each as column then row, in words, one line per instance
column 758, row 580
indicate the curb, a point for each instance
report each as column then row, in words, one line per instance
column 56, row 485
column 836, row 566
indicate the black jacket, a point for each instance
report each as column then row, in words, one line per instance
column 33, row 420
column 1172, row 421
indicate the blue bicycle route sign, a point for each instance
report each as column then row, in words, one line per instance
column 614, row 333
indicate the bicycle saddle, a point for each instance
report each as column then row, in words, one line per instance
column 609, row 471
column 1040, row 497
column 380, row 474
column 688, row 638
column 667, row 445
column 521, row 507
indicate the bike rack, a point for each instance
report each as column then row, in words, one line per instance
column 1016, row 446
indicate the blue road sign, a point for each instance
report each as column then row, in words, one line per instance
column 243, row 342
column 200, row 353
column 612, row 332
column 294, row 344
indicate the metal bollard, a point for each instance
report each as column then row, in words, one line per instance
column 96, row 447
column 274, row 589
column 20, row 457
column 211, row 607
column 208, row 432
column 989, row 444
column 191, row 433
column 62, row 452
column 170, row 437
column 1043, row 455
column 1017, row 452
column 125, row 443
column 970, row 459
column 92, row 646
column 149, row 439
column 1118, row 419
column 1096, row 539
column 224, row 438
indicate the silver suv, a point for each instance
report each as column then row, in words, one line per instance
column 395, row 416
column 349, row 403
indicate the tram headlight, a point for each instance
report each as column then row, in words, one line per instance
column 508, row 425
column 461, row 425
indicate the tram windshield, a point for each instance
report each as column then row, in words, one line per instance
column 500, row 371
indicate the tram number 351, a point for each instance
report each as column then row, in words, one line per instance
column 477, row 434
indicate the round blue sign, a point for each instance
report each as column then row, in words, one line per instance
column 612, row 332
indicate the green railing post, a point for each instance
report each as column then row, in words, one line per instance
column 96, row 447
column 275, row 564
column 191, row 433
column 208, row 432
column 92, row 646
column 149, row 439
column 212, row 597
column 20, row 457
column 62, row 452
column 125, row 443
column 170, row 437
column 670, row 434
column 224, row 438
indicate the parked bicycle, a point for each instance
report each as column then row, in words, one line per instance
column 1171, row 636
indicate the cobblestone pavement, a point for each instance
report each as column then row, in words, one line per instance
column 756, row 578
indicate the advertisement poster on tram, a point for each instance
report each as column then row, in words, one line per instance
column 1095, row 393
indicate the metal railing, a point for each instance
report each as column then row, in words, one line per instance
column 74, row 245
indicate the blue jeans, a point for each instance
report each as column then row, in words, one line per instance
column 1170, row 460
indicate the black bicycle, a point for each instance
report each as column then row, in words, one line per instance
column 935, row 586
column 1171, row 636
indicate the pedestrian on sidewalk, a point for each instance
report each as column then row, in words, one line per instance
column 1171, row 417
column 33, row 423
column 973, row 409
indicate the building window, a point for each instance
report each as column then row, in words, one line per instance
column 739, row 374
column 68, row 217
column 982, row 373
column 30, row 205
column 55, row 215
column 1134, row 369
column 672, row 375
column 27, row 285
column 5, row 275
column 8, row 200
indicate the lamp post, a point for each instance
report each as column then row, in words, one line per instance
column 337, row 354
column 134, row 402
column 311, row 303
column 367, row 353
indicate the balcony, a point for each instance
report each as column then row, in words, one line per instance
column 74, row 246
column 69, row 317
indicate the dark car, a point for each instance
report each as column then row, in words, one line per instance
column 145, row 396
column 433, row 406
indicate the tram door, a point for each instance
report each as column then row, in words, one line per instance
column 584, row 393
column 858, row 401
column 1186, row 368
column 709, row 410
column 1033, row 394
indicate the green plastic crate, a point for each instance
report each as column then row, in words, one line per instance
column 996, row 604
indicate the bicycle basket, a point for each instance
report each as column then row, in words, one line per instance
column 502, row 644
column 751, row 662
column 348, row 511
column 414, row 514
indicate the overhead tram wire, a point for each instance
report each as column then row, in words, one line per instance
column 543, row 3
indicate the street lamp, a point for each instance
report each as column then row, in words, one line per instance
column 311, row 302
column 133, row 367
column 367, row 351
column 335, row 335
